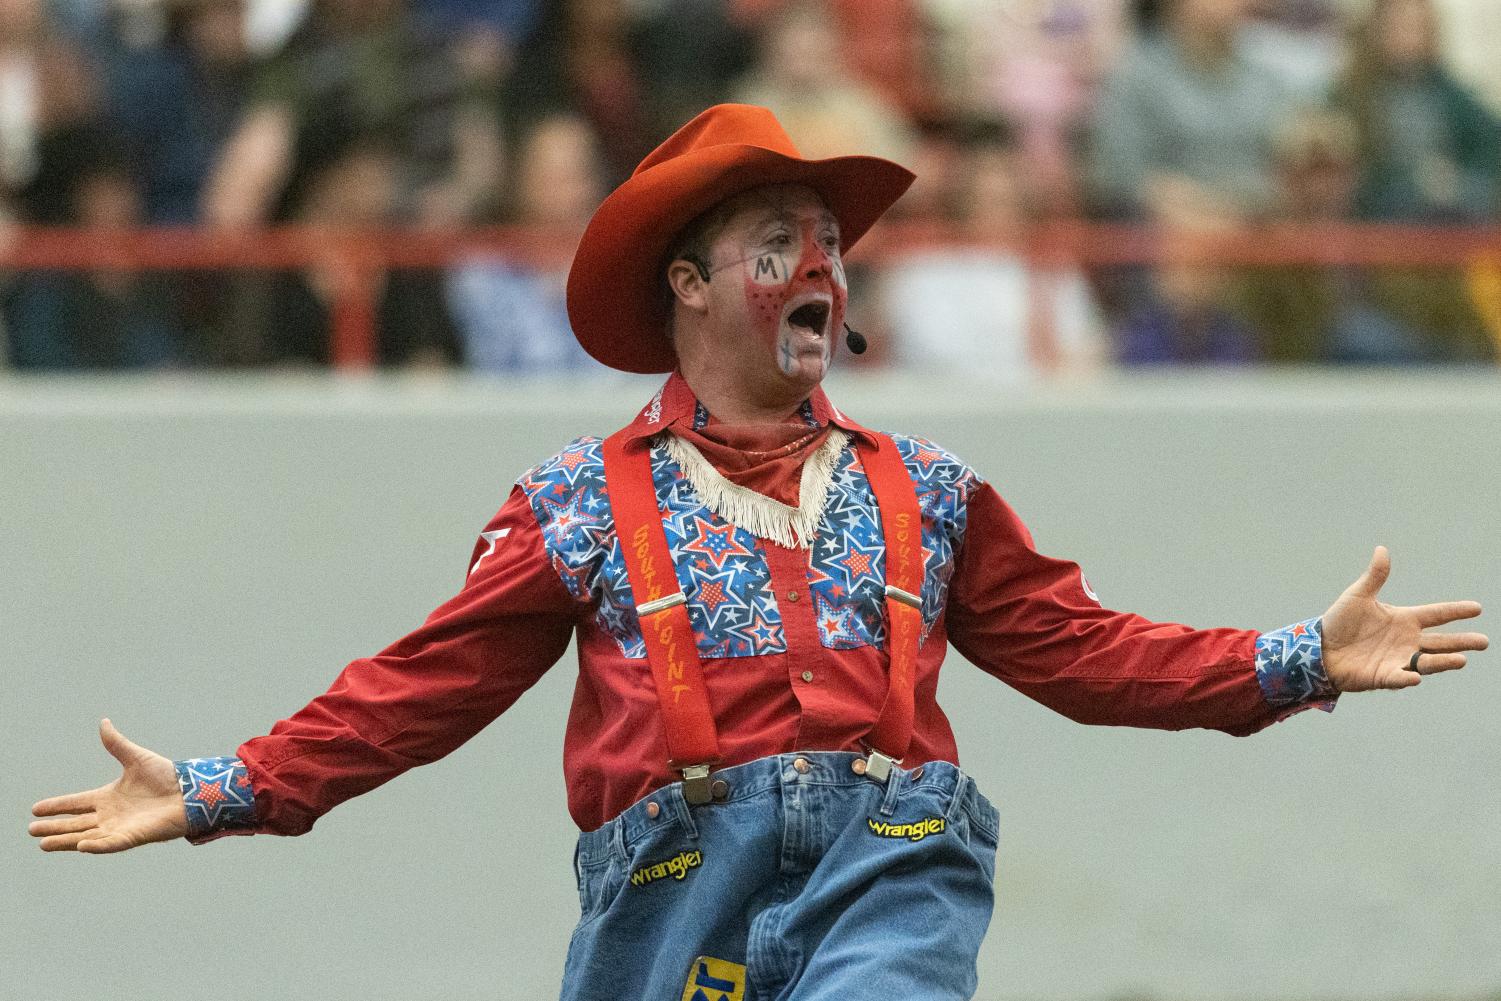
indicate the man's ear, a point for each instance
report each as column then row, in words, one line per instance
column 688, row 285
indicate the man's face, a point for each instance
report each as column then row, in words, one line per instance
column 778, row 295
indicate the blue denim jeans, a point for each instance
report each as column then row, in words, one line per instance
column 806, row 881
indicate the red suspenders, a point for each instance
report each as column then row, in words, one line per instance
column 661, row 606
column 901, row 529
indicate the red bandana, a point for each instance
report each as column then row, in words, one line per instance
column 766, row 458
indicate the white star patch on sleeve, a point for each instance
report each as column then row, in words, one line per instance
column 1083, row 580
column 491, row 538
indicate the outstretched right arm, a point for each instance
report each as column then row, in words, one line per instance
column 411, row 704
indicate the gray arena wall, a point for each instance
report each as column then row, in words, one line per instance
column 197, row 558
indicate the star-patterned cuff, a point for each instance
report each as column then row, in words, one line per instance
column 217, row 795
column 1290, row 668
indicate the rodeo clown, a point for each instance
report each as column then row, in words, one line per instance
column 762, row 591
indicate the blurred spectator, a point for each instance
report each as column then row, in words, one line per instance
column 98, row 319
column 980, row 308
column 47, row 101
column 884, row 44
column 936, row 160
column 360, row 191
column 1313, row 313
column 802, row 78
column 1185, row 321
column 1301, row 42
column 1039, row 64
column 177, row 102
column 1184, row 125
column 506, row 24
column 582, row 59
column 1431, row 152
column 513, row 317
column 690, row 52
column 362, row 72
column 1183, row 139
column 1470, row 29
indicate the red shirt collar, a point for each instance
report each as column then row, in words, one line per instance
column 676, row 403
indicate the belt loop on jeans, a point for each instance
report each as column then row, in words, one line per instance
column 680, row 808
column 617, row 838
column 962, row 784
column 893, row 788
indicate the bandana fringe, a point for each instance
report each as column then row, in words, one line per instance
column 793, row 527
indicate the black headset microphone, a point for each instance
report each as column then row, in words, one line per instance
column 853, row 338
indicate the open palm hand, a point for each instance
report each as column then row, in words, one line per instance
column 141, row 806
column 1369, row 644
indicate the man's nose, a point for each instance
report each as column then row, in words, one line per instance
column 820, row 265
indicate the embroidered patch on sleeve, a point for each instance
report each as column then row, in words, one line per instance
column 1290, row 667
column 216, row 793
column 711, row 979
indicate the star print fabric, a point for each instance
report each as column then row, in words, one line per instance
column 734, row 614
column 724, row 568
column 217, row 794
column 792, row 640
column 848, row 568
column 1290, row 667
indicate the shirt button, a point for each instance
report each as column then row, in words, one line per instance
column 652, row 809
column 802, row 766
column 807, row 675
column 792, row 596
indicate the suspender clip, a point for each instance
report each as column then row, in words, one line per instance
column 878, row 765
column 661, row 604
column 696, row 785
column 905, row 597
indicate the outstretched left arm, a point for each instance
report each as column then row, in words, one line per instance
column 1033, row 622
column 1369, row 644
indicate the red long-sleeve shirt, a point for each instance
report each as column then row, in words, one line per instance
column 791, row 640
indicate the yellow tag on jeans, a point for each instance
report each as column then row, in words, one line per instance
column 711, row 979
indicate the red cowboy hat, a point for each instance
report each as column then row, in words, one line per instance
column 615, row 298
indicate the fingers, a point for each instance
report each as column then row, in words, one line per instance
column 1398, row 679
column 106, row 845
column 63, row 825
column 77, row 802
column 1436, row 663
column 69, row 842
column 1369, row 584
column 1450, row 642
column 115, row 743
column 1446, row 611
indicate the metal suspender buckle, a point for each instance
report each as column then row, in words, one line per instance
column 661, row 604
column 905, row 597
column 696, row 785
column 878, row 765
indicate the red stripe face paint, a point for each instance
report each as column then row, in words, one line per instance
column 795, row 292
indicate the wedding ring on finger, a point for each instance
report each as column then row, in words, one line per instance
column 1412, row 664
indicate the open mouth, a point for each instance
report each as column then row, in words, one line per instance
column 811, row 316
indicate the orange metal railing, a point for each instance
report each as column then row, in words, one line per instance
column 356, row 258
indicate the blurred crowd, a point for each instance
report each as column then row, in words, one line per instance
column 1194, row 116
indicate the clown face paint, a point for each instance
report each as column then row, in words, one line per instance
column 796, row 294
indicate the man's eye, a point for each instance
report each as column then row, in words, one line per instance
column 780, row 239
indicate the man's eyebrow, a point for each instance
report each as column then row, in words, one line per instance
column 774, row 215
